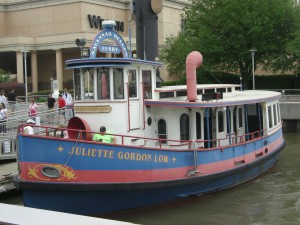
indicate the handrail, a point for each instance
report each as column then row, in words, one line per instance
column 157, row 143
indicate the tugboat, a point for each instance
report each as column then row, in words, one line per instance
column 167, row 143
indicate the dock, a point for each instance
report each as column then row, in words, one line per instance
column 8, row 169
column 31, row 216
column 11, row 214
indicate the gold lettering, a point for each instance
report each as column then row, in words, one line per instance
column 127, row 155
column 111, row 154
column 83, row 152
column 78, row 151
column 132, row 156
column 120, row 155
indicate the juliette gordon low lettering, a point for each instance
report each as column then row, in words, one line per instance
column 121, row 155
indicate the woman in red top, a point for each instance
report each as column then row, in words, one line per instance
column 61, row 105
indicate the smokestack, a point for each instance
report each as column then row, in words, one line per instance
column 147, row 28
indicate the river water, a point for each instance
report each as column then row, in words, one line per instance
column 272, row 199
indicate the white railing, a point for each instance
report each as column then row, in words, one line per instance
column 9, row 127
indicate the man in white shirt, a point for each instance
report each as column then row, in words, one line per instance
column 28, row 129
column 69, row 104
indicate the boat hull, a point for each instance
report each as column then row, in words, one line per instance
column 102, row 198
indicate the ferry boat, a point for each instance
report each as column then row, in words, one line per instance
column 172, row 142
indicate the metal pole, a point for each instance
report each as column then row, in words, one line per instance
column 25, row 62
column 253, row 75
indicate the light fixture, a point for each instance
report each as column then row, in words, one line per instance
column 85, row 52
column 81, row 43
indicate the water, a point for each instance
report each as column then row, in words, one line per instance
column 273, row 199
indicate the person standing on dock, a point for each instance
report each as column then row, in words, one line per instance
column 3, row 117
column 69, row 104
column 2, row 97
column 12, row 99
column 50, row 104
column 33, row 107
column 61, row 108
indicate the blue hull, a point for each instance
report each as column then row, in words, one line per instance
column 97, row 199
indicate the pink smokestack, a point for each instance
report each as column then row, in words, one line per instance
column 193, row 60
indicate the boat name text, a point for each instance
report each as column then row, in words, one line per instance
column 121, row 155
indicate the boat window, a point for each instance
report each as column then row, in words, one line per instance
column 181, row 93
column 77, row 84
column 221, row 90
column 132, row 79
column 221, row 121
column 209, row 91
column 228, row 121
column 103, row 83
column 199, row 92
column 240, row 117
column 275, row 115
column 166, row 94
column 118, row 83
column 278, row 112
column 147, row 83
column 89, row 84
column 198, row 125
column 235, row 119
column 162, row 130
column 270, row 116
column 184, row 127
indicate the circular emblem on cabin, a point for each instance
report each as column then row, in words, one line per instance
column 156, row 6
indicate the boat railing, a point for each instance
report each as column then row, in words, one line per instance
column 137, row 141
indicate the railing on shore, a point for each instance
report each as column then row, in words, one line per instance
column 9, row 127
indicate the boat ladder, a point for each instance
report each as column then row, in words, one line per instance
column 195, row 171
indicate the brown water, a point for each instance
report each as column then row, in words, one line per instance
column 273, row 199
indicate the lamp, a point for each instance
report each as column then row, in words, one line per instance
column 81, row 43
column 253, row 76
column 25, row 73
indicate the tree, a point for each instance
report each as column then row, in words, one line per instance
column 4, row 76
column 225, row 31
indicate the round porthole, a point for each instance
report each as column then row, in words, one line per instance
column 51, row 172
column 265, row 142
column 149, row 121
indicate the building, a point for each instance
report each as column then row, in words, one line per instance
column 42, row 33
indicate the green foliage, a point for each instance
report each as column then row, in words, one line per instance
column 225, row 30
column 4, row 76
column 261, row 82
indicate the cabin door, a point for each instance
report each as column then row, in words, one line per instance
column 133, row 101
column 221, row 126
column 238, row 123
column 208, row 132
